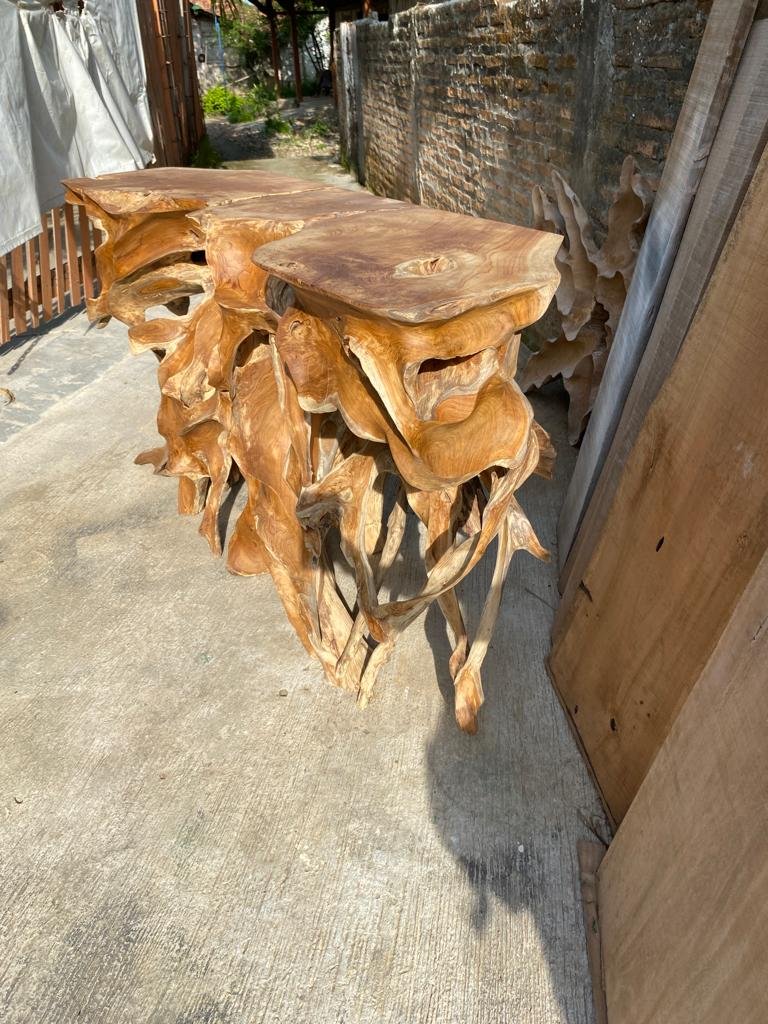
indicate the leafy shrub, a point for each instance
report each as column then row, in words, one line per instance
column 217, row 101
column 319, row 129
column 277, row 125
column 220, row 101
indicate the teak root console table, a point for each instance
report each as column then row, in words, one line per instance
column 338, row 339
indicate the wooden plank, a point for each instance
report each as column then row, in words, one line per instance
column 58, row 255
column 86, row 248
column 686, row 530
column 683, row 913
column 726, row 33
column 740, row 141
column 46, row 290
column 5, row 306
column 73, row 266
column 33, row 281
column 590, row 857
column 197, row 106
column 18, row 290
column 171, row 126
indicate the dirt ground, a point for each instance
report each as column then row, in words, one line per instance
column 314, row 133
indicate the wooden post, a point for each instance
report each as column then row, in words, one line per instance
column 45, row 269
column 293, row 18
column 5, row 312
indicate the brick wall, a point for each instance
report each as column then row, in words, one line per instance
column 467, row 104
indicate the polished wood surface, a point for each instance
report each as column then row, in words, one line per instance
column 352, row 359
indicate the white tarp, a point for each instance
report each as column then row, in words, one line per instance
column 73, row 103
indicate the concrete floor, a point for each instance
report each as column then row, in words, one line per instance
column 194, row 826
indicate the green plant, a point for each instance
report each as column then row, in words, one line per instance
column 218, row 101
column 206, row 155
column 275, row 124
column 224, row 102
column 248, row 34
column 319, row 129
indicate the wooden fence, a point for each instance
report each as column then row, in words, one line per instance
column 49, row 274
column 55, row 271
column 172, row 87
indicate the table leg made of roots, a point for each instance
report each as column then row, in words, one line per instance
column 351, row 359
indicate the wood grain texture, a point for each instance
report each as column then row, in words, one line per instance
column 739, row 143
column 46, row 270
column 728, row 26
column 686, row 531
column 683, row 913
column 366, row 340
column 593, row 287
column 430, row 265
column 5, row 304
column 590, row 858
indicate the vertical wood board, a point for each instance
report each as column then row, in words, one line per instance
column 727, row 28
column 682, row 889
column 689, row 524
column 738, row 146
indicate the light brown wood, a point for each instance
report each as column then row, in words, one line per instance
column 5, row 308
column 349, row 357
column 686, row 531
column 740, row 141
column 18, row 289
column 683, row 914
column 728, row 25
column 592, row 290
column 73, row 264
column 590, row 857
column 59, row 281
column 86, row 249
column 33, row 282
column 46, row 289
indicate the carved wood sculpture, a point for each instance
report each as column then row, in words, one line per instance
column 594, row 281
column 351, row 358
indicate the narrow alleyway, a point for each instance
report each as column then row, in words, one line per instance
column 309, row 150
column 195, row 826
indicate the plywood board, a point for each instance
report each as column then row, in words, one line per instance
column 740, row 141
column 724, row 38
column 683, row 913
column 689, row 524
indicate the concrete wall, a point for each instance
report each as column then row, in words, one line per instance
column 221, row 66
column 467, row 104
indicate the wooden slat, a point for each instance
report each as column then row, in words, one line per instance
column 590, row 857
column 165, row 71
column 682, row 889
column 5, row 307
column 740, row 141
column 46, row 291
column 86, row 247
column 687, row 528
column 727, row 28
column 73, row 266
column 197, row 107
column 58, row 252
column 18, row 290
column 33, row 281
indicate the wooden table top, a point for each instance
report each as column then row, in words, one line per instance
column 298, row 207
column 415, row 264
column 388, row 259
column 182, row 188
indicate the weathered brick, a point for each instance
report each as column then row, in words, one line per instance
column 467, row 105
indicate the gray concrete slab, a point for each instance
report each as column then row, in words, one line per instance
column 181, row 843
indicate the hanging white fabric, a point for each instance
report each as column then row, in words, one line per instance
column 72, row 103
